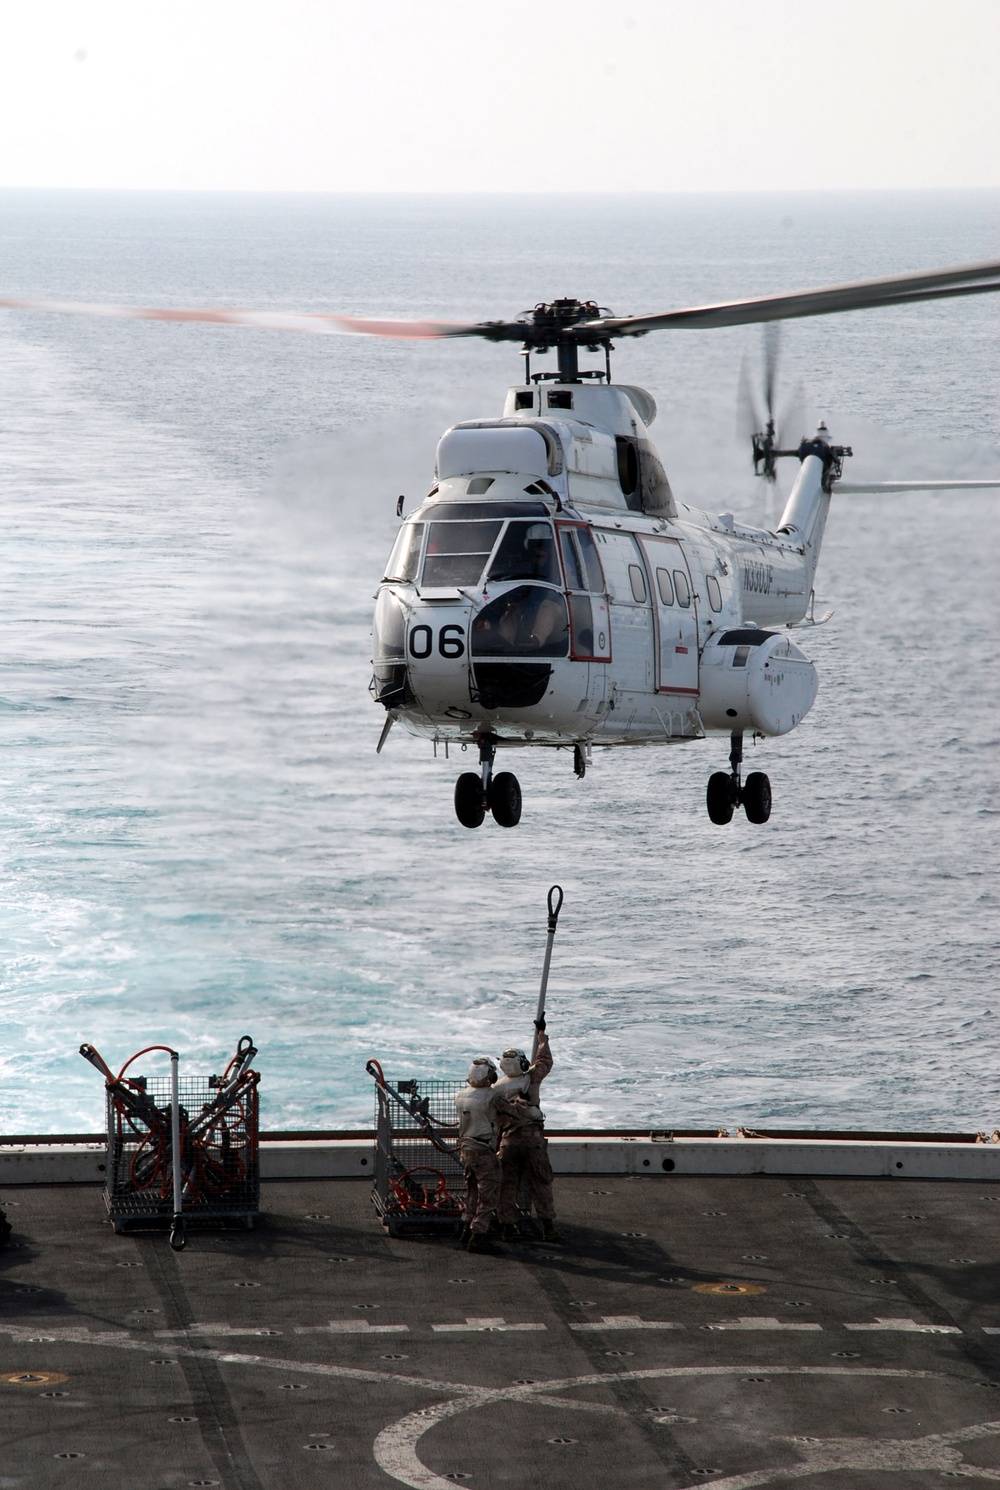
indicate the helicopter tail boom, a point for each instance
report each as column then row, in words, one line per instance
column 855, row 488
column 806, row 512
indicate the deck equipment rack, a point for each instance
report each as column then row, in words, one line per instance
column 419, row 1181
column 182, row 1149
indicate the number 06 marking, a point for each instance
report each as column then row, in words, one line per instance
column 451, row 641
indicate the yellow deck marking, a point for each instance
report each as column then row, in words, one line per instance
column 33, row 1378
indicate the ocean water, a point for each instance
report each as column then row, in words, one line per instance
column 197, row 839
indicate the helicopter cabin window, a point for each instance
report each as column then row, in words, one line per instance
column 527, row 551
column 588, row 548
column 681, row 587
column 527, row 621
column 560, row 398
column 714, row 593
column 457, row 552
column 638, row 582
column 524, row 398
column 664, row 586
column 404, row 560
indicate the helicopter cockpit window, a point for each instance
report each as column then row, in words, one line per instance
column 527, row 551
column 682, row 588
column 588, row 548
column 572, row 562
column 467, row 511
column 714, row 592
column 527, row 621
column 404, row 561
column 457, row 552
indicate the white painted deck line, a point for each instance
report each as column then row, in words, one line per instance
column 628, row 1322
column 761, row 1322
column 910, row 1326
column 214, row 1329
column 497, row 1324
column 352, row 1327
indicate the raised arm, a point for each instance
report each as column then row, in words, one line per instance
column 543, row 1063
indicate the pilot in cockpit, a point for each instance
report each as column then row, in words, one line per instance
column 531, row 620
column 539, row 552
column 526, row 551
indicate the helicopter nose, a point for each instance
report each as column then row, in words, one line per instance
column 437, row 656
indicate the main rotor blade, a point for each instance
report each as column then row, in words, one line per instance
column 315, row 323
column 971, row 279
column 900, row 289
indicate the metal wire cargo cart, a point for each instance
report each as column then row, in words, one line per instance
column 419, row 1181
column 182, row 1149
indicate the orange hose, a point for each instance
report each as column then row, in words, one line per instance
column 138, row 1053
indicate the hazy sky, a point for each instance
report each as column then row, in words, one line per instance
column 557, row 95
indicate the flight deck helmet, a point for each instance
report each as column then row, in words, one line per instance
column 482, row 1072
column 514, row 1062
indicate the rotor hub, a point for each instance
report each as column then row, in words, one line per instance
column 550, row 322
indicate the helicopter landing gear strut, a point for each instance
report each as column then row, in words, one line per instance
column 726, row 793
column 475, row 795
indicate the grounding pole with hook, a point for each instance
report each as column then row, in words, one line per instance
column 555, row 906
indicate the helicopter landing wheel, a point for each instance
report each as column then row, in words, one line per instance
column 505, row 799
column 470, row 806
column 720, row 797
column 756, row 797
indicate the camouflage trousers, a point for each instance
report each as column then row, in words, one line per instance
column 482, row 1186
column 524, row 1152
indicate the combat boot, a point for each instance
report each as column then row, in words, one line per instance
column 480, row 1242
column 549, row 1233
column 508, row 1232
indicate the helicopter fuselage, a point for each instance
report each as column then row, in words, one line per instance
column 550, row 591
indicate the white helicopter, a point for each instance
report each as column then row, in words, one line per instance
column 550, row 590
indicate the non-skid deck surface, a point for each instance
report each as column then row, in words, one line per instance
column 687, row 1332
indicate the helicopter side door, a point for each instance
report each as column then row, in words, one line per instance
column 590, row 627
column 676, row 615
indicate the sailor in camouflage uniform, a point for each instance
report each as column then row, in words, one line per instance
column 479, row 1105
column 523, row 1149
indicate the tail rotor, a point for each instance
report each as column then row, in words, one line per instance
column 757, row 417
